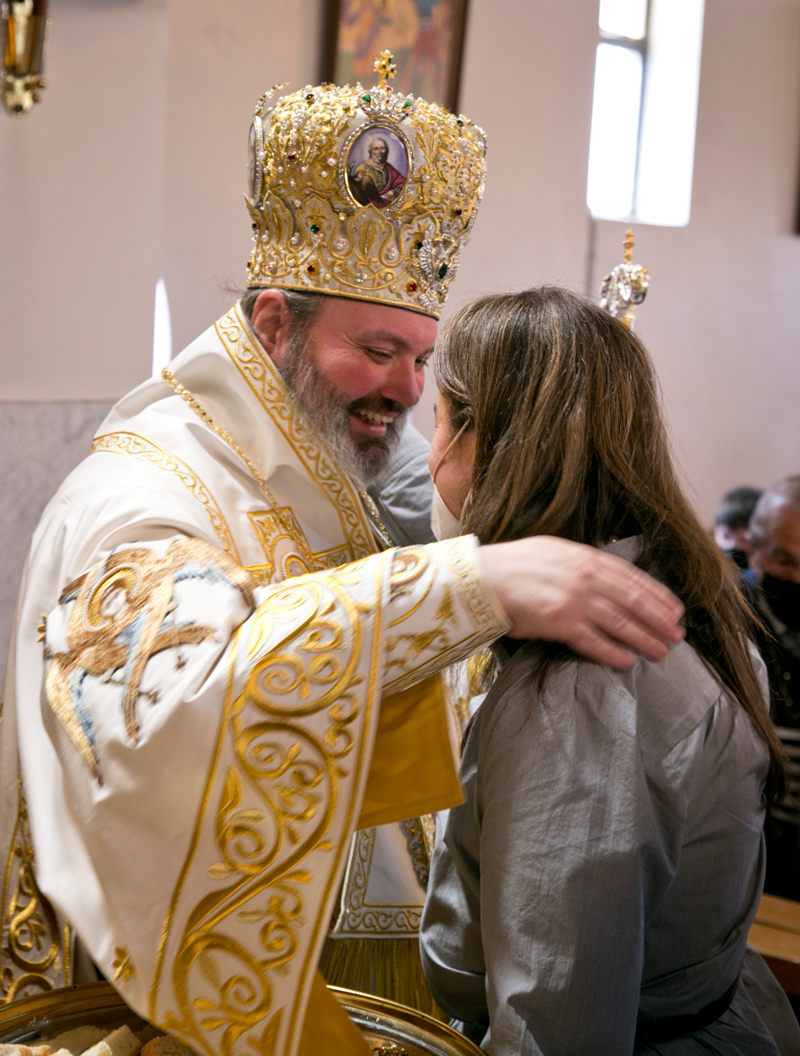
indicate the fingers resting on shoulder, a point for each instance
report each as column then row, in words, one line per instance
column 598, row 604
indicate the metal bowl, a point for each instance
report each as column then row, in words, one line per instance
column 390, row 1029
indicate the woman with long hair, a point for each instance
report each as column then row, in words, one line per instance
column 594, row 893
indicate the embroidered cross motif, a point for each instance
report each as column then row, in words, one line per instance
column 118, row 621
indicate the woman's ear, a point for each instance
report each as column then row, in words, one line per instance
column 271, row 322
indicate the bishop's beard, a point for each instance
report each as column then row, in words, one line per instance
column 365, row 460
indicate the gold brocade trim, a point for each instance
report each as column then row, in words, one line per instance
column 126, row 443
column 418, row 847
column 123, row 965
column 405, row 651
column 305, row 558
column 275, row 807
column 268, row 387
column 119, row 620
column 360, row 916
column 35, row 950
column 277, row 534
column 201, row 814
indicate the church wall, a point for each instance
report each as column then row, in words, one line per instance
column 722, row 318
column 80, row 208
column 527, row 80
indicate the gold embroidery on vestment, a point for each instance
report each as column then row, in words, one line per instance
column 268, row 387
column 275, row 806
column 283, row 541
column 35, row 952
column 125, row 443
column 123, row 964
column 118, row 621
column 360, row 916
column 414, row 657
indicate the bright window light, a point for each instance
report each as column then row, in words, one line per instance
column 641, row 151
column 624, row 18
column 162, row 331
column 615, row 130
column 666, row 149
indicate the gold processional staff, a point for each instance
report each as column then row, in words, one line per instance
column 24, row 28
column 625, row 287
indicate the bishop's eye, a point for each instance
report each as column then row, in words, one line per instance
column 378, row 355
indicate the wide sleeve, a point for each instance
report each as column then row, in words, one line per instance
column 543, row 877
column 211, row 743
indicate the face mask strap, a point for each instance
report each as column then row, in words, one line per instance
column 446, row 451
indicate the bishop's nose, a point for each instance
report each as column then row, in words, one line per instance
column 405, row 382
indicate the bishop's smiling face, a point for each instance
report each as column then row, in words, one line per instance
column 357, row 370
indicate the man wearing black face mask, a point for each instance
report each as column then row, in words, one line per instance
column 731, row 523
column 775, row 564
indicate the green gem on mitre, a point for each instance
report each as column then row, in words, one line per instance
column 314, row 229
column 367, row 98
column 442, row 271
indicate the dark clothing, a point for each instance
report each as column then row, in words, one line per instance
column 780, row 648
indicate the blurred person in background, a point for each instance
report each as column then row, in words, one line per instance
column 731, row 522
column 774, row 585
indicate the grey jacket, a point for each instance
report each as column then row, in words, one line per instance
column 606, row 865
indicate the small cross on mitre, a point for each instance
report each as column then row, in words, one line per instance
column 385, row 68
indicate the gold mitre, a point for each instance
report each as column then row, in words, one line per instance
column 362, row 193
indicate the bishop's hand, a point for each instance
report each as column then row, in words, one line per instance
column 600, row 605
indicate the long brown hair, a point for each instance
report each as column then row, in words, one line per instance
column 570, row 442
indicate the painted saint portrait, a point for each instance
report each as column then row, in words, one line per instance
column 376, row 167
column 426, row 38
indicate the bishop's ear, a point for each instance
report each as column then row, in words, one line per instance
column 271, row 321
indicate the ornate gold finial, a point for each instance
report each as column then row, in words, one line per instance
column 625, row 287
column 385, row 68
column 23, row 38
column 628, row 244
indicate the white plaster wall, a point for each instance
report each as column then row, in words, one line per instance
column 527, row 80
column 222, row 57
column 133, row 166
column 80, row 207
column 722, row 318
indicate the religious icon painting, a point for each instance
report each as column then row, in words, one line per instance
column 376, row 167
column 426, row 38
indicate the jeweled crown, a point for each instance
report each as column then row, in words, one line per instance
column 363, row 193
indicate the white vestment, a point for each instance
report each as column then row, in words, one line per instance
column 188, row 742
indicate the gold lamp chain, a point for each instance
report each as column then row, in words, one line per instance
column 213, row 424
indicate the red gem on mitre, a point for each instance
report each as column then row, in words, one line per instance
column 311, row 269
column 411, row 287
